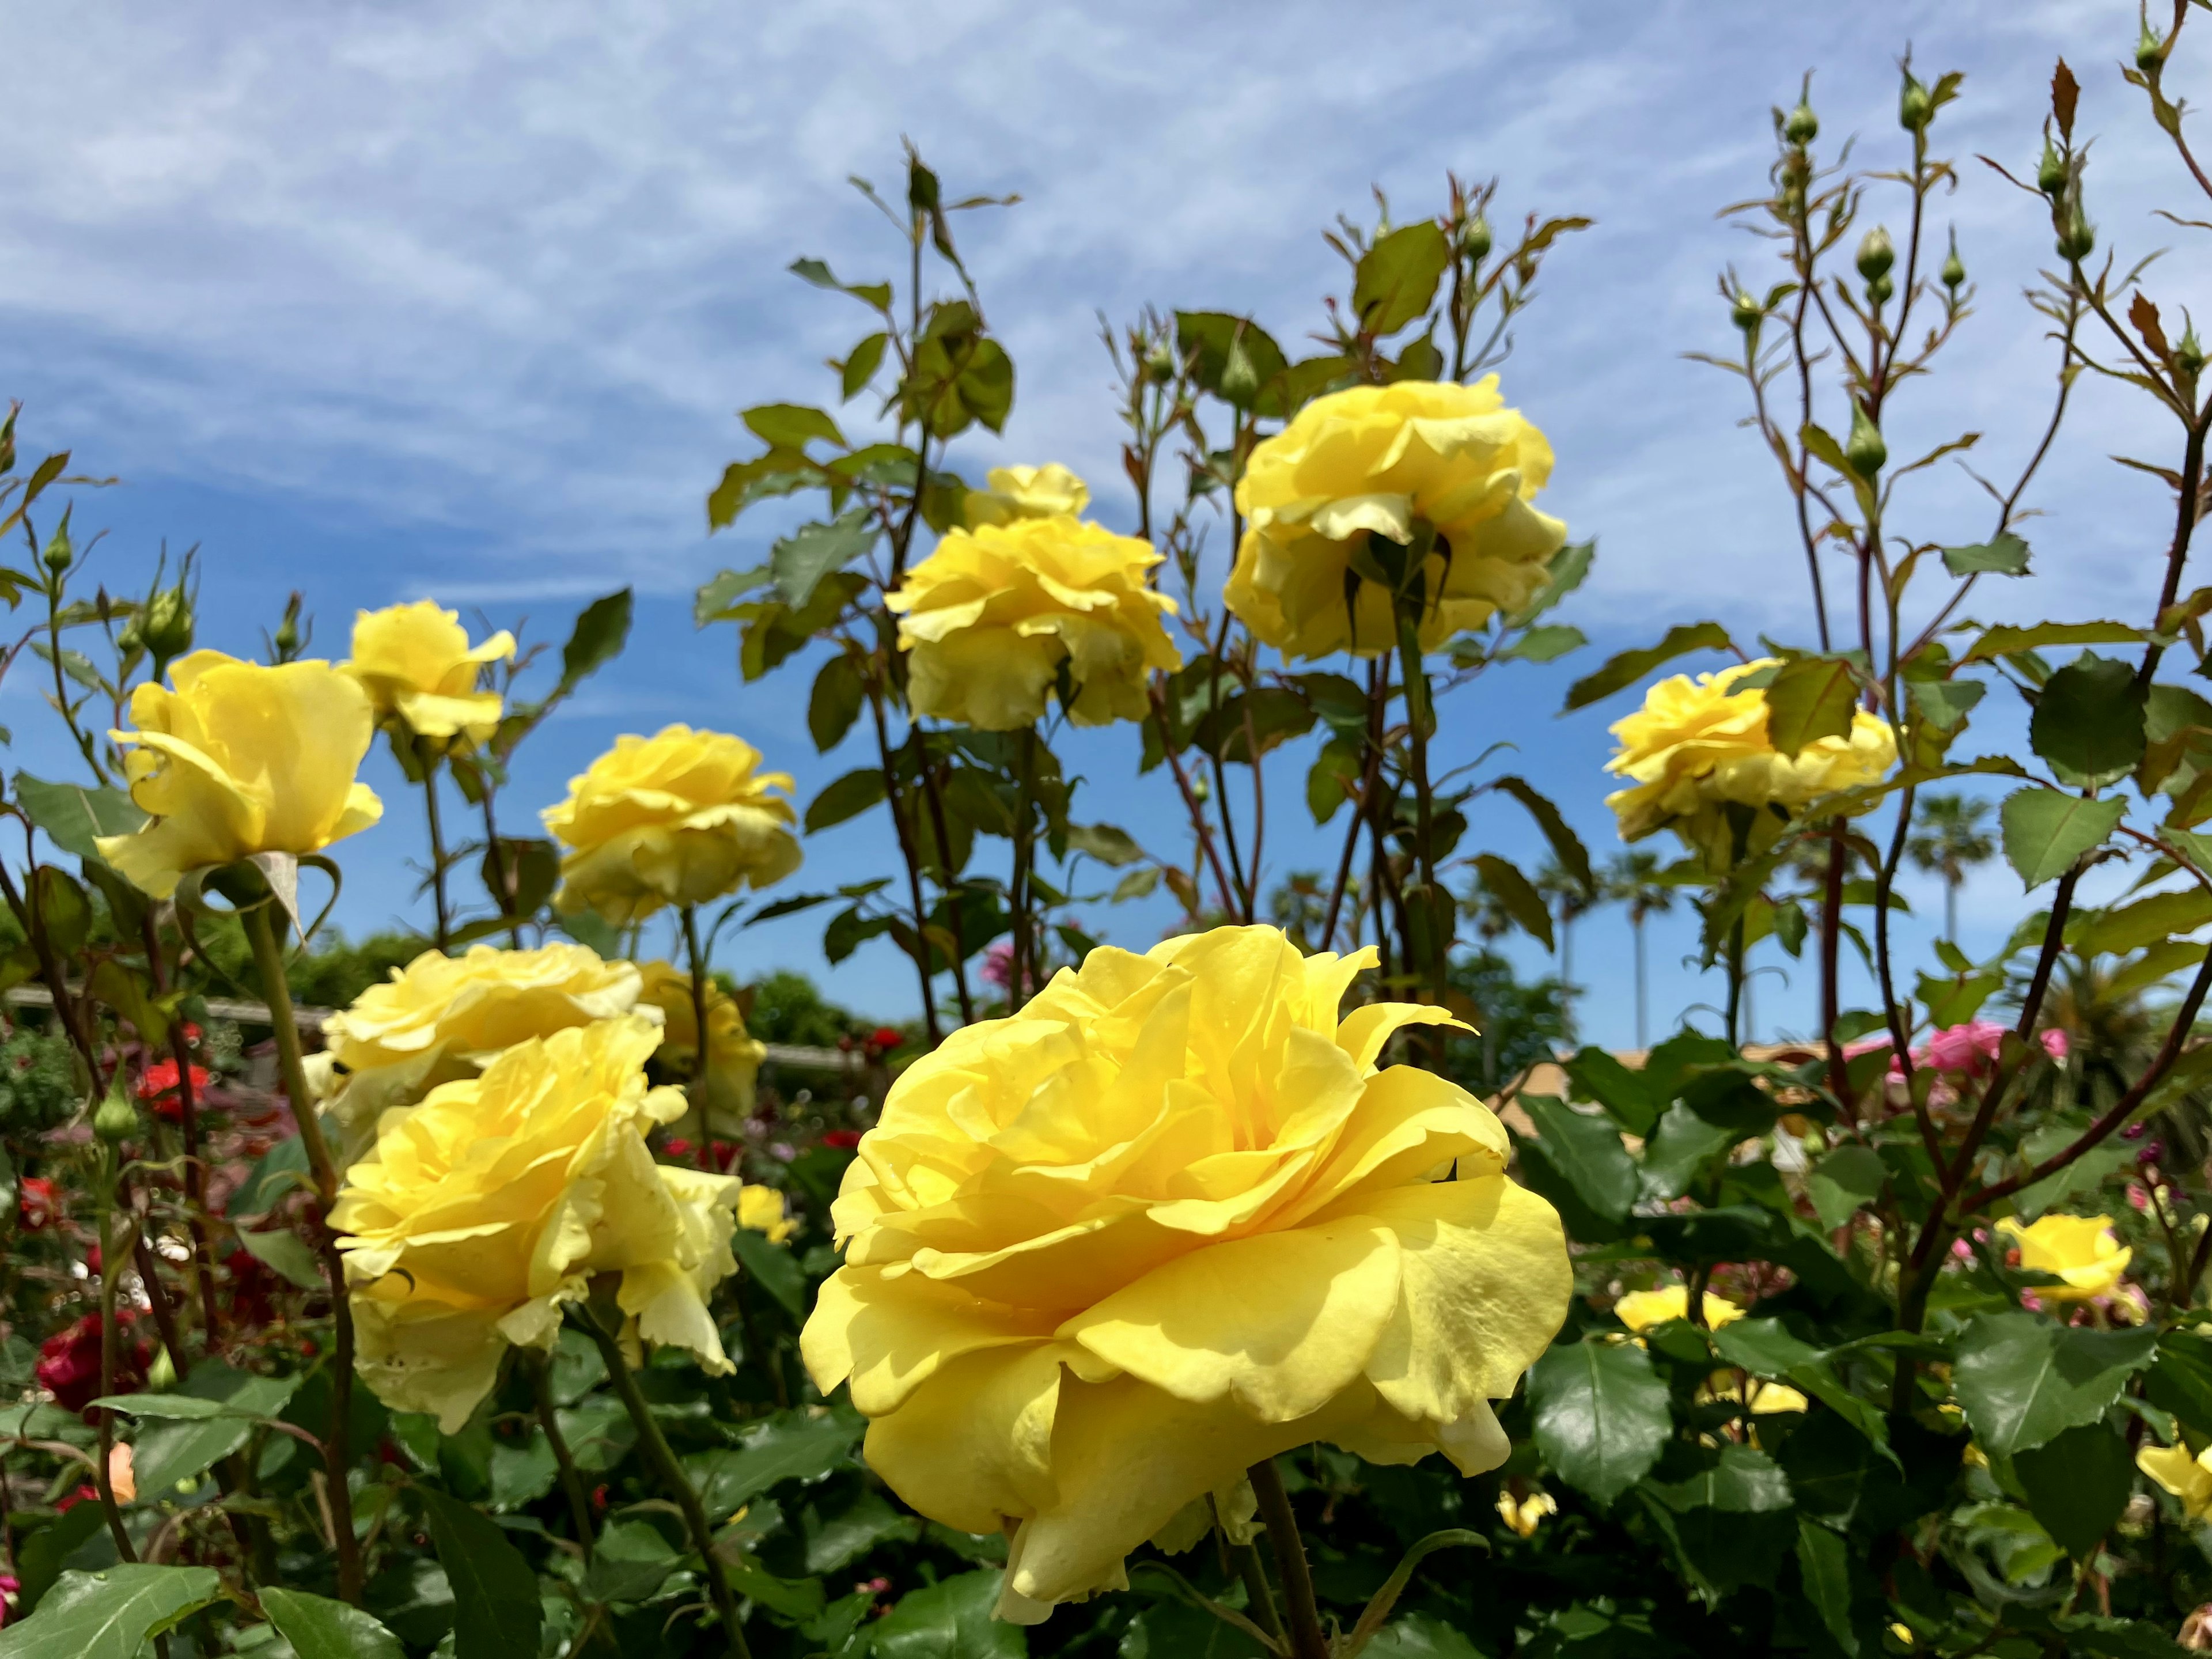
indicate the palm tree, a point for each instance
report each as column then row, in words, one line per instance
column 1570, row 898
column 1633, row 880
column 1949, row 840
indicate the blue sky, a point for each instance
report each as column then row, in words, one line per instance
column 388, row 300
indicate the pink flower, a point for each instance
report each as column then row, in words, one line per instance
column 999, row 965
column 1971, row 1048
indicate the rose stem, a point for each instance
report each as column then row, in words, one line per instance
column 1307, row 1641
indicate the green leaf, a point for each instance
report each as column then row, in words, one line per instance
column 797, row 564
column 1586, row 1152
column 1824, row 1567
column 2161, row 915
column 2046, row 831
column 1810, row 699
column 1421, row 1638
column 1630, row 666
column 1601, row 1415
column 1517, row 894
column 2089, row 719
column 283, row 1169
column 1111, row 847
column 1764, row 1347
column 949, row 1619
column 40, row 1557
column 1846, row 1182
column 1547, row 643
column 2023, row 1380
column 320, row 1628
column 496, row 1611
column 1395, row 280
column 2005, row 641
column 286, row 1254
column 1566, row 846
column 1683, row 1145
column 2005, row 556
column 602, row 630
column 110, row 1615
column 1742, row 1480
column 1628, row 1095
column 630, row 1561
column 859, row 368
column 845, row 798
column 836, row 703
column 1233, row 358
column 2180, row 1380
column 794, row 1598
column 792, row 426
column 1334, row 778
column 2077, row 1483
column 1565, row 573
column 789, row 1446
column 772, row 1268
column 717, row 601
column 185, row 1450
column 72, row 815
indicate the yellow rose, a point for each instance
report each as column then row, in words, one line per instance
column 1388, row 461
column 1027, row 492
column 1170, row 1220
column 416, row 663
column 680, row 817
column 482, row 1211
column 2189, row 1478
column 989, row 618
column 1525, row 1516
column 1697, row 747
column 240, row 759
column 444, row 1017
column 762, row 1210
column 2079, row 1250
column 1641, row 1309
column 734, row 1058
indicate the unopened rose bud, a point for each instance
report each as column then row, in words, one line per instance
column 2189, row 352
column 59, row 554
column 1954, row 268
column 1864, row 449
column 1916, row 108
column 1160, row 365
column 116, row 1118
column 1801, row 126
column 1746, row 313
column 1876, row 253
column 2150, row 51
column 287, row 639
column 2050, row 169
column 1879, row 290
column 2077, row 238
column 166, row 628
column 1474, row 238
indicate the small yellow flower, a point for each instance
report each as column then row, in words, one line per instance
column 763, row 1210
column 1697, row 746
column 239, row 760
column 1392, row 461
column 1172, row 1218
column 417, row 665
column 2079, row 1250
column 1641, row 1309
column 680, row 817
column 484, row 1210
column 992, row 616
column 122, row 1475
column 734, row 1058
column 443, row 1018
column 1525, row 1516
column 1027, row 492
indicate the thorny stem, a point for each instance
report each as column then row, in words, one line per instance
column 338, row 1453
column 444, row 924
column 895, row 798
column 2192, row 475
column 572, row 1483
column 1307, row 1641
column 700, row 1058
column 1024, row 941
column 1378, row 692
column 671, row 1475
column 1196, row 808
column 195, row 1180
column 934, row 797
column 1892, row 1011
column 495, row 850
column 1831, row 911
column 110, row 1269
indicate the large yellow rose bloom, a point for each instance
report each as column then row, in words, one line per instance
column 1385, row 461
column 417, row 665
column 1170, row 1220
column 990, row 617
column 1027, row 492
column 734, row 1058
column 680, row 817
column 443, row 1018
column 239, row 759
column 1697, row 746
column 482, row 1211
column 2080, row 1251
column 2189, row 1478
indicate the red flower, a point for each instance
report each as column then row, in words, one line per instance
column 843, row 1139
column 679, row 1147
column 885, row 1038
column 37, row 1203
column 82, row 1495
column 158, row 1083
column 69, row 1363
